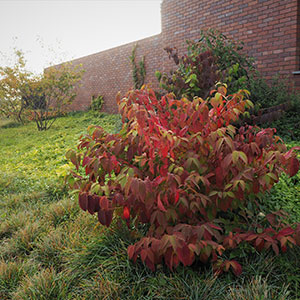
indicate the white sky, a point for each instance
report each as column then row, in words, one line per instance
column 52, row 31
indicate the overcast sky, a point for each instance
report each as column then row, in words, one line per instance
column 58, row 30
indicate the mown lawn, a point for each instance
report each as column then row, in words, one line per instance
column 50, row 249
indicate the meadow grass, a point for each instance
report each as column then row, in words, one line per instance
column 50, row 249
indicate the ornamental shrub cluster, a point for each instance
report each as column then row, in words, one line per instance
column 211, row 58
column 184, row 170
column 196, row 74
column 214, row 57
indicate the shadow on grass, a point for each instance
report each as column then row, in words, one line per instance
column 9, row 124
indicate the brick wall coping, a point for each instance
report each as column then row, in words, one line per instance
column 109, row 50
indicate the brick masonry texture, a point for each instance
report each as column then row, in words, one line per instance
column 269, row 29
column 110, row 72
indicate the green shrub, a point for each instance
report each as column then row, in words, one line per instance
column 267, row 94
column 232, row 62
column 288, row 127
column 212, row 58
column 97, row 103
column 196, row 74
column 276, row 105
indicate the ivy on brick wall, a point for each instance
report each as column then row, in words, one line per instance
column 138, row 71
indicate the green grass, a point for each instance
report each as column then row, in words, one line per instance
column 50, row 249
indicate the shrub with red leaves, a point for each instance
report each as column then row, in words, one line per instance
column 181, row 167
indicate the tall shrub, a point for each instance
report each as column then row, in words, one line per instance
column 229, row 54
column 196, row 74
column 14, row 81
column 52, row 93
column 41, row 97
column 211, row 58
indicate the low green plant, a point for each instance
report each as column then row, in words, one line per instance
column 45, row 285
column 288, row 126
column 22, row 241
column 60, row 212
column 276, row 104
column 48, row 250
column 8, row 123
column 96, row 103
column 39, row 162
column 11, row 273
column 288, row 122
column 285, row 196
column 257, row 289
column 267, row 94
column 103, row 259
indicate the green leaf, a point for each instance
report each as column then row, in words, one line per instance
column 239, row 154
column 173, row 241
column 218, row 96
column 243, row 156
column 235, row 156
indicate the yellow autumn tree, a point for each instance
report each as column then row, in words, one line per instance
column 42, row 98
column 13, row 85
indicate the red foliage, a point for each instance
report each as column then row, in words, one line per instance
column 181, row 167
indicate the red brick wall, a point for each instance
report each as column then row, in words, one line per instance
column 110, row 71
column 269, row 29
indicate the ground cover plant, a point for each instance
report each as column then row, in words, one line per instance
column 50, row 249
column 34, row 207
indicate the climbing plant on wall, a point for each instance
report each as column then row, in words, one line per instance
column 138, row 71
